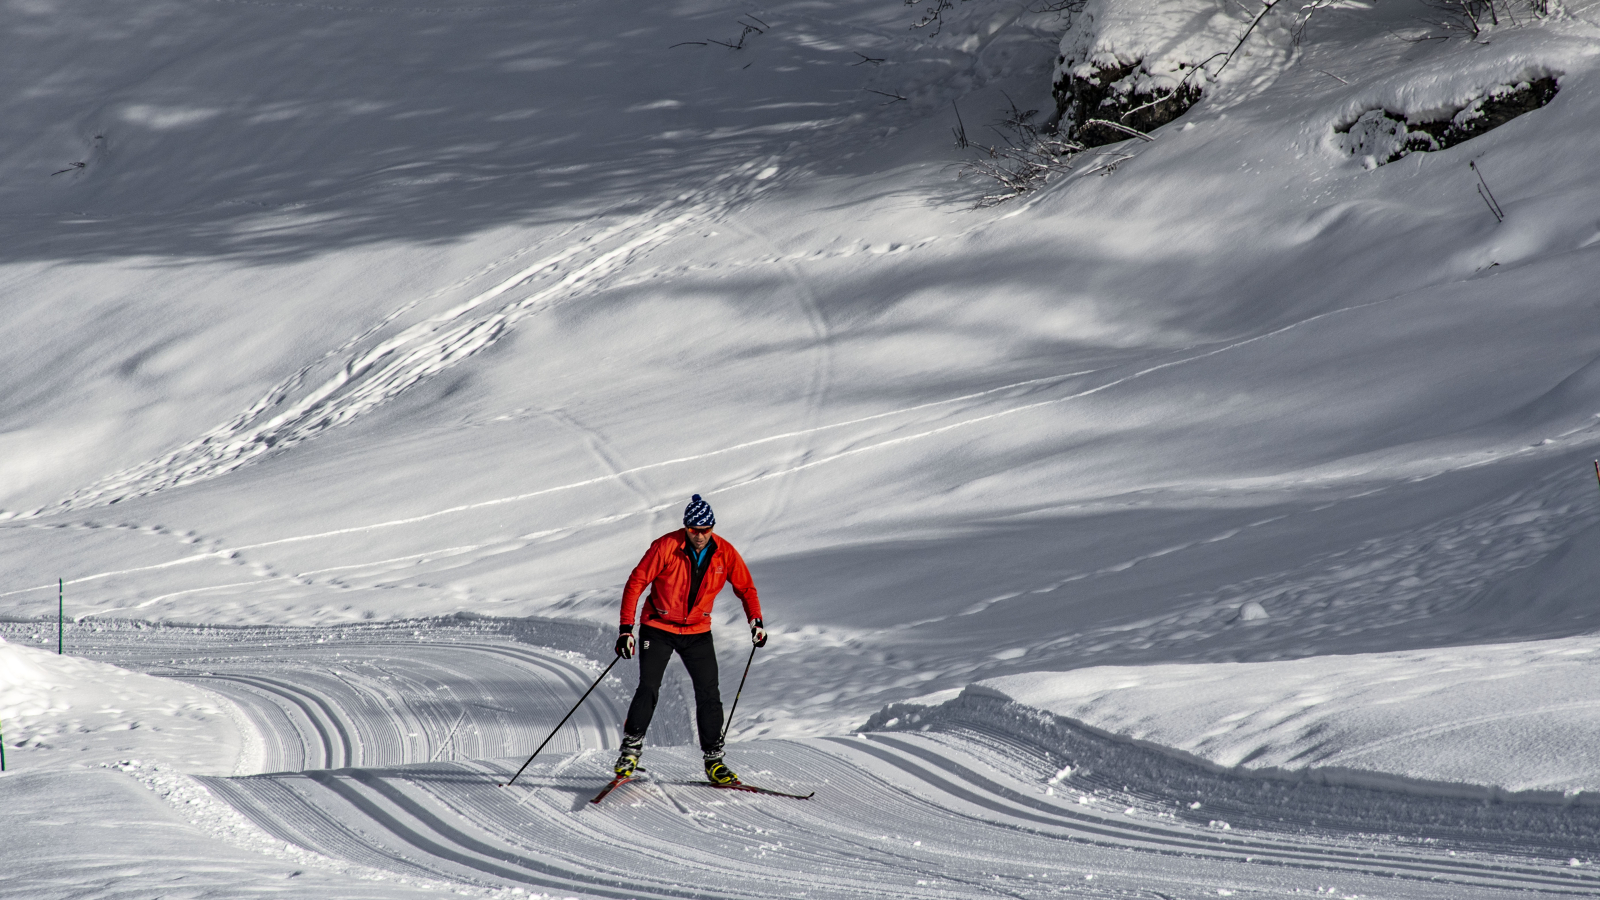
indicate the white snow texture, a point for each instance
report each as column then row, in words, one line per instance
column 1218, row 518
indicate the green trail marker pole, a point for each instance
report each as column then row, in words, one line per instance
column 61, row 616
column 2, row 749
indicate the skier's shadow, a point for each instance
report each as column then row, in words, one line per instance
column 579, row 790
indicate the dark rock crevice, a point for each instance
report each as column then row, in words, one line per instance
column 1120, row 94
column 1383, row 136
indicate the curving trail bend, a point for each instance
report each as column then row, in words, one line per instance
column 382, row 747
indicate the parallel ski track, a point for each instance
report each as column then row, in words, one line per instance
column 944, row 814
column 304, row 701
column 653, row 838
column 962, row 782
column 378, row 703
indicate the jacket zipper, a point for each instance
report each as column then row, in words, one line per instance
column 697, row 577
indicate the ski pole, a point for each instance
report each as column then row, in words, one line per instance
column 565, row 718
column 729, row 724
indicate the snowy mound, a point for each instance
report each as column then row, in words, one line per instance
column 62, row 711
column 1515, row 717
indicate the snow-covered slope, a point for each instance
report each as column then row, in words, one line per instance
column 59, row 711
column 1516, row 716
column 399, row 309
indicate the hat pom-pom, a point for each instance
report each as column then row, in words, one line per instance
column 695, row 499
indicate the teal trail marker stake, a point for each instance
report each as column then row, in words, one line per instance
column 61, row 616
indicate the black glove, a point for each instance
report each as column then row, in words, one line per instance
column 625, row 642
column 758, row 634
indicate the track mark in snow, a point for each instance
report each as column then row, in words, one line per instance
column 952, row 813
column 895, row 815
column 1403, row 579
column 821, row 373
column 221, row 552
column 603, row 450
column 385, row 699
column 374, row 371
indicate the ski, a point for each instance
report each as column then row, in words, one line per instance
column 741, row 786
column 616, row 782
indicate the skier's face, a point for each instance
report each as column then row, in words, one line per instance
column 699, row 537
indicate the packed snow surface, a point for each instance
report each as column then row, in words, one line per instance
column 1518, row 716
column 355, row 353
column 386, row 744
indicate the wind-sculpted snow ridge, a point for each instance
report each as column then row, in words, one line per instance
column 375, row 367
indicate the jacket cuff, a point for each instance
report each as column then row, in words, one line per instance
column 627, row 629
column 756, row 623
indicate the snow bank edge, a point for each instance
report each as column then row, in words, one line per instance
column 991, row 709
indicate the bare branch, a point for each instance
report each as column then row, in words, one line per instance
column 1268, row 7
column 934, row 15
column 1118, row 126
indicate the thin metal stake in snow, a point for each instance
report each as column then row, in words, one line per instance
column 61, row 615
column 1486, row 194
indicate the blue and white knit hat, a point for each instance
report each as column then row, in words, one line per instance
column 698, row 514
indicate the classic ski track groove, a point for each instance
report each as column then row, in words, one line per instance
column 989, row 831
column 361, row 724
column 1286, row 854
column 409, row 820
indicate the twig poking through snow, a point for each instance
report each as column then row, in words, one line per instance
column 738, row 42
column 1486, row 194
column 1106, row 168
column 897, row 97
column 1024, row 161
column 1118, row 126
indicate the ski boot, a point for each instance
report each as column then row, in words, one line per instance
column 628, row 761
column 718, row 773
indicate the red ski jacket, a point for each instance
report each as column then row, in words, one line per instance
column 668, row 569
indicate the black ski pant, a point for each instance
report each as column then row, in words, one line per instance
column 699, row 656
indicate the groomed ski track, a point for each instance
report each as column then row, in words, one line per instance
column 382, row 747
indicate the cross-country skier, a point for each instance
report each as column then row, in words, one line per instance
column 685, row 570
